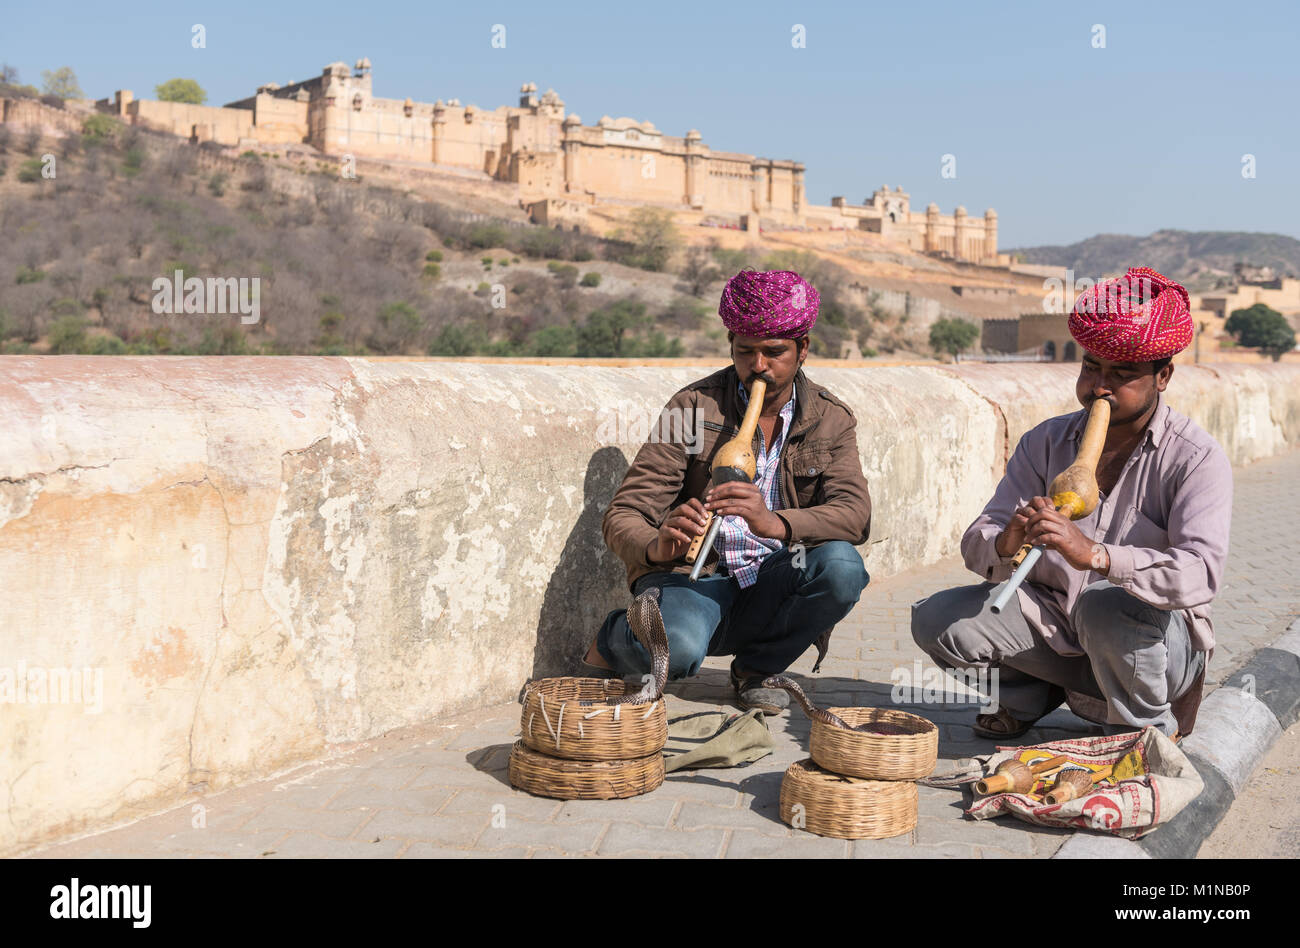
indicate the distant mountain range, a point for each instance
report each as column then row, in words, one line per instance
column 1199, row 259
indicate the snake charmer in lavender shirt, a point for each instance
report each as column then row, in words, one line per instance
column 1115, row 616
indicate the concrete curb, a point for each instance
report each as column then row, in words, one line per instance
column 1237, row 725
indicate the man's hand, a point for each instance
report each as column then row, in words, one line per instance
column 1046, row 527
column 1013, row 537
column 744, row 499
column 677, row 533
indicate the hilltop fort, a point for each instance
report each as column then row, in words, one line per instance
column 560, row 166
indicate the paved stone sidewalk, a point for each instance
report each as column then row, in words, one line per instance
column 434, row 790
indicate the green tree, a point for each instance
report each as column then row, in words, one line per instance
column 606, row 328
column 100, row 128
column 654, row 238
column 62, row 82
column 953, row 336
column 567, row 274
column 458, row 341
column 400, row 322
column 1262, row 327
column 30, row 170
column 553, row 341
column 67, row 334
column 698, row 272
column 181, row 90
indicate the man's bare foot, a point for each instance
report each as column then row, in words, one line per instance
column 595, row 659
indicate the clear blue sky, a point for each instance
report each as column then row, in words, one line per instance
column 1065, row 140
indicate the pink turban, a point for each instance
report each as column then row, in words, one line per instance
column 777, row 304
column 1139, row 317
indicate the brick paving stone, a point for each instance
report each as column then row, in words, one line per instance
column 430, row 851
column 628, row 838
column 423, row 800
column 447, row 830
column 514, row 804
column 893, row 847
column 386, row 778
column 339, row 824
column 746, row 844
column 651, row 810
column 944, row 829
column 307, row 795
column 695, row 787
column 312, row 846
column 211, row 843
column 574, row 838
column 698, row 815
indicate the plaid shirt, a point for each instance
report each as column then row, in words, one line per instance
column 740, row 551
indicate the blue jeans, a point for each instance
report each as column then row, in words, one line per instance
column 766, row 626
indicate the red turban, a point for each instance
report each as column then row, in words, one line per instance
column 777, row 304
column 1139, row 317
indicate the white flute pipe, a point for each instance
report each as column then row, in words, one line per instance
column 1018, row 577
column 709, row 537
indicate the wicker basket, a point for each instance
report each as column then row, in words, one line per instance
column 546, row 776
column 846, row 807
column 876, row 756
column 553, row 722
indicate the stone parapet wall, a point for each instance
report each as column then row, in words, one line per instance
column 264, row 558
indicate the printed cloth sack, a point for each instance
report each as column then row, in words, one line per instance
column 1151, row 781
column 716, row 739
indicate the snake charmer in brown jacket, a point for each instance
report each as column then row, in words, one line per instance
column 823, row 490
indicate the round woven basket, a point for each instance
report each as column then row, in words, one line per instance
column 554, row 722
column 546, row 776
column 846, row 807
column 876, row 756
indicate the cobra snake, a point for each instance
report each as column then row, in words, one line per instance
column 647, row 624
column 825, row 717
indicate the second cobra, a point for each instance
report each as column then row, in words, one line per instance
column 826, row 717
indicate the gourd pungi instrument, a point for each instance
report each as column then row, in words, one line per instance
column 1015, row 776
column 1074, row 492
column 734, row 462
column 1074, row 783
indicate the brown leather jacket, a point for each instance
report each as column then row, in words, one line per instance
column 823, row 489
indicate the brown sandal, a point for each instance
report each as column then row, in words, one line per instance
column 1000, row 726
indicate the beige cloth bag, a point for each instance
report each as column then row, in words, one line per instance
column 716, row 739
column 1152, row 781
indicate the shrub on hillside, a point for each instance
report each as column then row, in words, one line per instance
column 554, row 341
column 542, row 242
column 484, row 236
column 30, row 170
column 608, row 330
column 567, row 274
column 99, row 129
column 458, row 341
column 67, row 334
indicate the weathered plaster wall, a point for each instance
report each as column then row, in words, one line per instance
column 261, row 557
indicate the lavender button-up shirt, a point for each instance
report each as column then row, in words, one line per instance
column 1164, row 524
